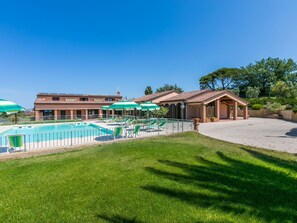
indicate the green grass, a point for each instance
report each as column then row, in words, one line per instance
column 182, row 178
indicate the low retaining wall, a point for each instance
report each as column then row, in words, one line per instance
column 289, row 115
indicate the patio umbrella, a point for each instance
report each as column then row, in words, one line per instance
column 125, row 105
column 9, row 108
column 149, row 106
column 105, row 107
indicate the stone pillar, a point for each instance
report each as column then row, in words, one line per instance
column 71, row 114
column 217, row 108
column 56, row 114
column 235, row 110
column 37, row 117
column 203, row 113
column 87, row 114
column 245, row 112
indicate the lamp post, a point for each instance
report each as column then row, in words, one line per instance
column 182, row 106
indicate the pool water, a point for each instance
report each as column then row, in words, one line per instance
column 43, row 133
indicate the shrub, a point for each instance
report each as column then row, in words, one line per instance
column 295, row 110
column 275, row 106
column 257, row 107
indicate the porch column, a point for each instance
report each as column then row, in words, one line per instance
column 203, row 113
column 217, row 107
column 86, row 114
column 100, row 113
column 37, row 116
column 71, row 114
column 235, row 108
column 56, row 114
column 112, row 113
column 245, row 112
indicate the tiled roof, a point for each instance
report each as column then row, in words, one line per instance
column 152, row 97
column 40, row 101
column 186, row 95
column 211, row 95
column 78, row 95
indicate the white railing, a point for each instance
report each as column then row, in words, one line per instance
column 99, row 131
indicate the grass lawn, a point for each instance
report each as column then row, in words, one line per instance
column 182, row 178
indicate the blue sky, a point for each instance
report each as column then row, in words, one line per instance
column 96, row 46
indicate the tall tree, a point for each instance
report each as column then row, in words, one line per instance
column 223, row 78
column 148, row 90
column 168, row 87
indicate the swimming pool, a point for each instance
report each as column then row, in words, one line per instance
column 42, row 133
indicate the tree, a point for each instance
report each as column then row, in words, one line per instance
column 266, row 72
column 252, row 92
column 162, row 112
column 283, row 89
column 148, row 90
column 168, row 87
column 222, row 79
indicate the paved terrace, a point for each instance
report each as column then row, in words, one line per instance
column 272, row 134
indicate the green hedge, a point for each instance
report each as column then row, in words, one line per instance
column 257, row 107
column 291, row 102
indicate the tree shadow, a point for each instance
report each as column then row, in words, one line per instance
column 292, row 132
column 234, row 186
column 118, row 219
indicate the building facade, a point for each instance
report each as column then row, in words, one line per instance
column 202, row 104
column 52, row 106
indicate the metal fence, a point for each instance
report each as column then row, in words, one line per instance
column 96, row 131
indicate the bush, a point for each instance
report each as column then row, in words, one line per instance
column 265, row 100
column 257, row 107
column 275, row 106
column 295, row 110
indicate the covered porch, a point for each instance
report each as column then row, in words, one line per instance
column 214, row 105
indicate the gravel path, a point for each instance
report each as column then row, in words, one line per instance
column 271, row 134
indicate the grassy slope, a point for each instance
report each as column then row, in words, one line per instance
column 181, row 178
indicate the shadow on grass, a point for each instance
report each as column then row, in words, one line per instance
column 235, row 186
column 117, row 219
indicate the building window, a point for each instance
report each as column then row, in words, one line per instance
column 56, row 99
column 83, row 99
column 109, row 99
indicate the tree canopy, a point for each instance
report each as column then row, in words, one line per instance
column 266, row 73
column 148, row 90
column 261, row 76
column 168, row 87
column 223, row 78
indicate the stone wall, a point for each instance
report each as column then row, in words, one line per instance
column 289, row 115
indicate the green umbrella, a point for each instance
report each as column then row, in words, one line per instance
column 149, row 106
column 124, row 105
column 9, row 107
column 105, row 108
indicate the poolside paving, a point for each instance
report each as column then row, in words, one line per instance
column 274, row 134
